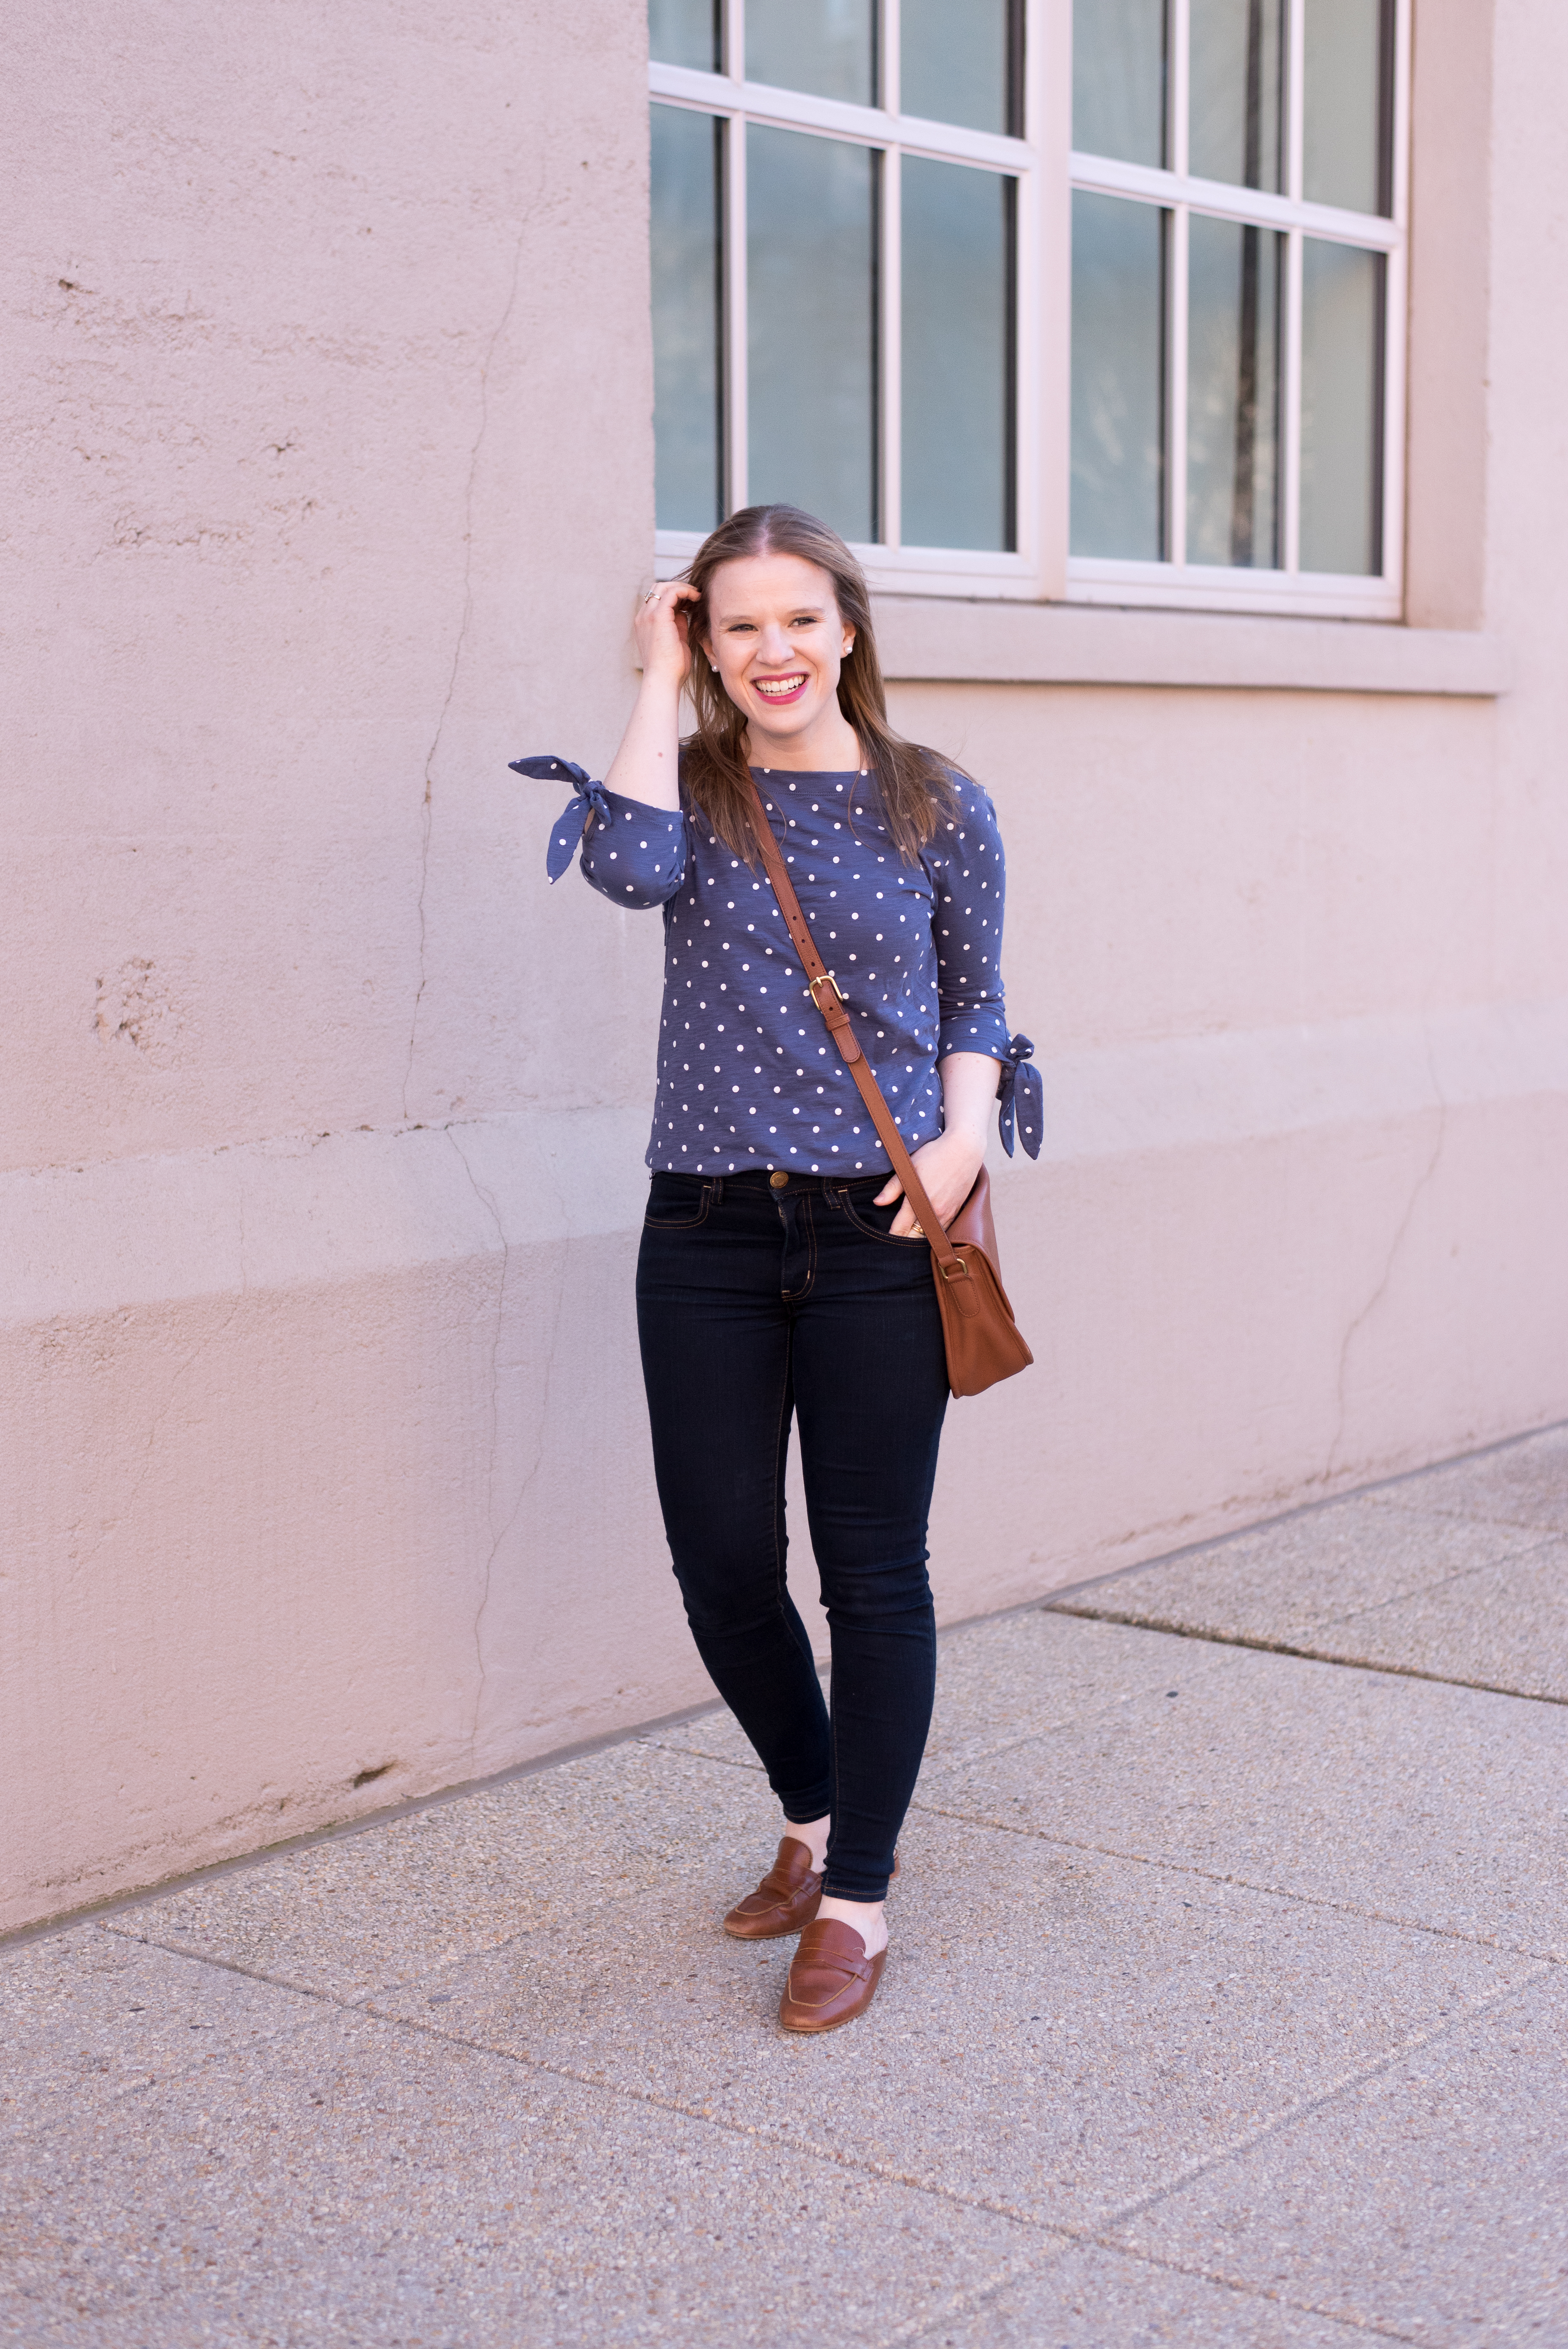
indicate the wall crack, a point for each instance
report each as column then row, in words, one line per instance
column 465, row 623
column 498, row 1534
column 1423, row 1182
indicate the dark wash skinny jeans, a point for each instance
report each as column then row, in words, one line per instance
column 756, row 1303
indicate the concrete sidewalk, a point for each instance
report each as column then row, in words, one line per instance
column 1228, row 2005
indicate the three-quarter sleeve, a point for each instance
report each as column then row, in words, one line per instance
column 969, row 875
column 636, row 855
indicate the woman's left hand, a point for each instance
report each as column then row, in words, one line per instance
column 947, row 1167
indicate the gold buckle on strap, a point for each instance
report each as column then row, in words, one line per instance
column 825, row 978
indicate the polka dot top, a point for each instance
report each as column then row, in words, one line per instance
column 748, row 1076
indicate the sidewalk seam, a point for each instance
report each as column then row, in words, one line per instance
column 1103, row 2238
column 1263, row 1645
column 1375, row 1489
column 1535, row 1954
column 981, row 2295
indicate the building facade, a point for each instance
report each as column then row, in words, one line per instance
column 1188, row 377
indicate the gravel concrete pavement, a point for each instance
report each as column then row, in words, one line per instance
column 1227, row 2005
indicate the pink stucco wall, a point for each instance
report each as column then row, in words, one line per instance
column 328, row 483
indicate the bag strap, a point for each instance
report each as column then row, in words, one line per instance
column 831, row 1004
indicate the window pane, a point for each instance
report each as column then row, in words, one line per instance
column 1342, row 408
column 687, row 369
column 811, row 311
column 957, row 356
column 1238, row 88
column 825, row 46
column 955, row 61
column 1119, row 79
column 1232, row 393
column 1348, row 73
column 1118, row 377
column 684, row 33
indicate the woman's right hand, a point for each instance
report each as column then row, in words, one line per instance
column 663, row 650
column 647, row 767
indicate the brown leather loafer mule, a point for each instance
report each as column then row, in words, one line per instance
column 831, row 1979
column 786, row 1898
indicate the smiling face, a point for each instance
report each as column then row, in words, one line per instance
column 775, row 632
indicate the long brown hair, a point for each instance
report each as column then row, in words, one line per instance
column 915, row 786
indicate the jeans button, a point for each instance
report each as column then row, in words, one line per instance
column 778, row 1181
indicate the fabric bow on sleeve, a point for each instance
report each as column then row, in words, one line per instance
column 1022, row 1094
column 588, row 799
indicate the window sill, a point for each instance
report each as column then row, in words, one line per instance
column 951, row 641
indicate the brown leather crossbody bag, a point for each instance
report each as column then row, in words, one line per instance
column 983, row 1342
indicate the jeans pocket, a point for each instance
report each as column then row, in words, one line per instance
column 876, row 1223
column 677, row 1202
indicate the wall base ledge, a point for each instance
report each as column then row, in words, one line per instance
column 295, row 1212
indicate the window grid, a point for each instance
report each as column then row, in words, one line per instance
column 736, row 104
column 1179, row 194
column 1041, row 341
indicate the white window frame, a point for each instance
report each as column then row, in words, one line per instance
column 1193, row 586
column 889, row 565
column 1041, row 567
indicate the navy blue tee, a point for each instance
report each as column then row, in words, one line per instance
column 748, row 1076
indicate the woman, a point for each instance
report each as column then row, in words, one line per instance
column 781, row 1274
